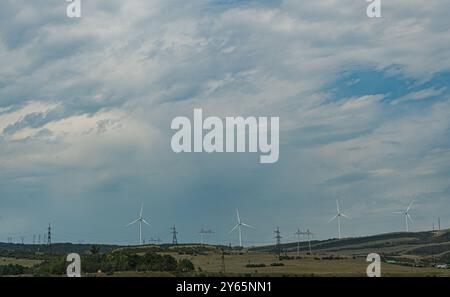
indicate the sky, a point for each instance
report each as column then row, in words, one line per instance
column 86, row 106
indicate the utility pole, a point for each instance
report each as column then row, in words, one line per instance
column 223, row 261
column 34, row 239
column 439, row 223
column 298, row 233
column 278, row 238
column 174, row 236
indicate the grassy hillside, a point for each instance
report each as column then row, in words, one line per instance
column 425, row 246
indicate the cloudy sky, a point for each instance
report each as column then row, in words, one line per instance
column 86, row 106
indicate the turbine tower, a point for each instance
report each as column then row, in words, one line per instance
column 338, row 217
column 239, row 226
column 407, row 216
column 140, row 220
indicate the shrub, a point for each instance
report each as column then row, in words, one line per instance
column 11, row 269
column 255, row 265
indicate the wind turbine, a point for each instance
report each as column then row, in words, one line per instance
column 406, row 214
column 338, row 217
column 140, row 220
column 239, row 226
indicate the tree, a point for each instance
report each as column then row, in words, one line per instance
column 95, row 249
column 185, row 265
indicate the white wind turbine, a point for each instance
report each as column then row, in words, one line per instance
column 407, row 216
column 338, row 217
column 140, row 220
column 239, row 226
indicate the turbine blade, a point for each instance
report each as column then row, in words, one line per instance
column 247, row 225
column 142, row 208
column 410, row 219
column 237, row 213
column 337, row 205
column 133, row 222
column 410, row 205
column 234, row 228
column 145, row 222
column 333, row 218
column 399, row 212
column 345, row 216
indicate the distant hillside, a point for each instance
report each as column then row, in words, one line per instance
column 421, row 244
column 56, row 248
column 406, row 245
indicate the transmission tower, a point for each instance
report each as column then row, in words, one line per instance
column 278, row 238
column 204, row 232
column 309, row 234
column 153, row 240
column 298, row 233
column 49, row 235
column 174, row 236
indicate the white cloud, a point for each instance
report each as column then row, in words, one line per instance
column 419, row 95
